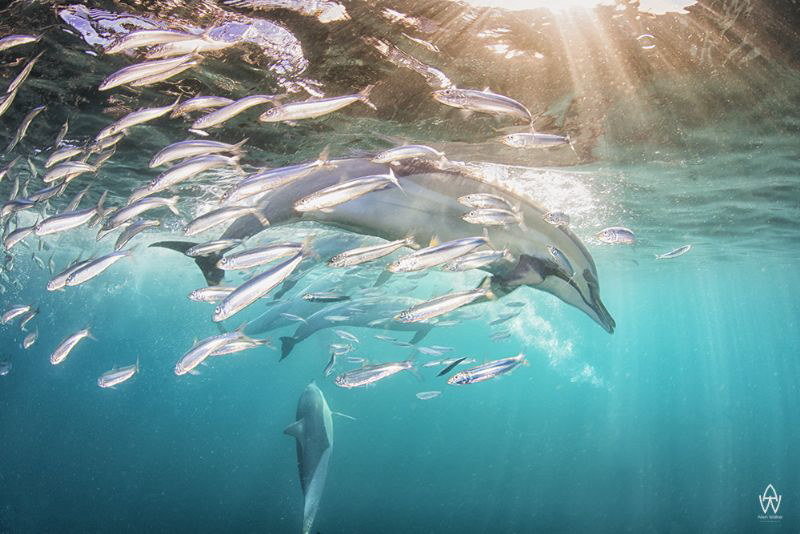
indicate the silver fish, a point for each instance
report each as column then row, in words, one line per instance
column 143, row 38
column 133, row 119
column 330, row 197
column 487, row 371
column 23, row 75
column 361, row 255
column 189, row 149
column 407, row 152
column 482, row 102
column 534, row 140
column 23, row 127
column 6, row 100
column 347, row 336
column 64, row 221
column 134, row 209
column 369, row 374
column 212, row 247
column 477, row 260
column 183, row 171
column 14, row 312
column 331, row 364
column 133, row 230
column 427, row 395
column 30, row 339
column 226, row 113
column 255, row 288
column 680, row 251
column 437, row 254
column 241, row 345
column 59, row 281
column 106, row 142
column 142, row 70
column 492, row 217
column 221, row 216
column 111, row 378
column 503, row 318
column 198, row 103
column 5, row 170
column 617, row 235
column 62, row 133
column 484, row 201
column 210, row 294
column 163, row 76
column 325, row 296
column 27, row 317
column 62, row 154
column 446, row 303
column 47, row 192
column 66, row 346
column 205, row 348
column 67, row 170
column 254, row 257
column 10, row 41
column 274, row 178
column 310, row 109
column 16, row 236
column 557, row 218
column 13, row 206
column 561, row 260
column 95, row 267
column 76, row 200
column 201, row 43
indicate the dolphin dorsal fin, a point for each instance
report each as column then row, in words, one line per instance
column 295, row 429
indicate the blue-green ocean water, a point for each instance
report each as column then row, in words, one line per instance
column 677, row 422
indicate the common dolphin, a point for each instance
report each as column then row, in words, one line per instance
column 359, row 312
column 313, row 431
column 425, row 206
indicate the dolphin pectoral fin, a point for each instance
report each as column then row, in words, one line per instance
column 206, row 264
column 340, row 414
column 287, row 344
column 420, row 334
column 382, row 278
column 295, row 429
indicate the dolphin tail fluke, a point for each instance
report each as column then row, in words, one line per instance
column 206, row 264
column 287, row 344
column 383, row 278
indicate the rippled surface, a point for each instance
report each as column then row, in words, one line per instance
column 684, row 126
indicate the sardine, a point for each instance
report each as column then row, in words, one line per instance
column 212, row 247
column 142, row 70
column 487, row 371
column 407, row 152
column 62, row 154
column 437, row 254
column 163, row 76
column 680, row 251
column 616, row 235
column 482, row 102
column 210, row 294
column 198, row 103
column 14, row 312
column 557, row 218
column 562, row 261
column 369, row 374
column 23, row 127
column 446, row 303
column 66, row 346
column 310, row 109
column 262, row 255
column 255, row 288
column 183, row 171
column 134, row 209
column 226, row 113
column 111, row 378
column 30, row 339
column 325, row 297
column 16, row 236
column 492, row 217
column 534, row 140
column 477, row 260
column 479, row 201
column 330, row 197
column 205, row 348
column 141, row 38
column 95, row 267
column 133, row 119
column 451, row 366
column 22, row 76
column 133, row 230
column 361, row 255
column 59, row 281
column 219, row 216
column 189, row 149
column 64, row 221
column 67, row 170
column 428, row 395
column 10, row 41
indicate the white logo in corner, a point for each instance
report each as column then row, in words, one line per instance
column 770, row 500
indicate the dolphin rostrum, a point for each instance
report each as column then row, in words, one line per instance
column 313, row 431
column 427, row 207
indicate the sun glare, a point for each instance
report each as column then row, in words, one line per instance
column 655, row 7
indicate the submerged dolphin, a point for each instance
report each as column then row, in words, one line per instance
column 313, row 431
column 427, row 206
column 363, row 312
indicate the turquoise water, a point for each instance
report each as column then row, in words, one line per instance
column 676, row 422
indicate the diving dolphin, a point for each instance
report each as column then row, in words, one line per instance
column 313, row 431
column 363, row 312
column 425, row 206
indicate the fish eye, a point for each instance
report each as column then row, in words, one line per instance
column 217, row 310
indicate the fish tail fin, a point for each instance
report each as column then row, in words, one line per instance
column 287, row 344
column 364, row 96
column 237, row 148
column 411, row 242
column 382, row 278
column 90, row 335
column 395, row 181
column 324, row 158
column 172, row 205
